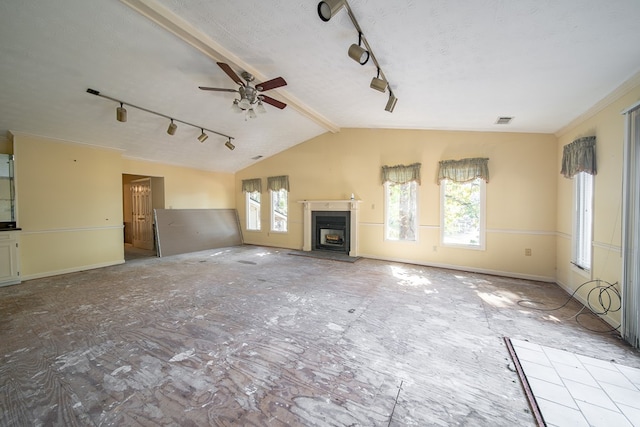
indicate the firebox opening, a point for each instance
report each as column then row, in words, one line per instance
column 331, row 231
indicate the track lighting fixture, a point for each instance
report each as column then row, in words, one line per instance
column 358, row 53
column 121, row 114
column 391, row 103
column 171, row 130
column 203, row 136
column 229, row 145
column 378, row 84
column 328, row 8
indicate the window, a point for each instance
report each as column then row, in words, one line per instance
column 462, row 213
column 401, row 210
column 583, row 218
column 253, row 211
column 279, row 210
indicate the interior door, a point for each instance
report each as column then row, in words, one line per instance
column 142, row 213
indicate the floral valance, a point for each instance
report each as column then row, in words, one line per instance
column 579, row 156
column 252, row 185
column 401, row 174
column 277, row 183
column 464, row 170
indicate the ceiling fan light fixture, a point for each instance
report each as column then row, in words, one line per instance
column 259, row 108
column 328, row 8
column 121, row 114
column 229, row 145
column 251, row 113
column 244, row 104
column 171, row 130
column 391, row 103
column 235, row 108
column 203, row 136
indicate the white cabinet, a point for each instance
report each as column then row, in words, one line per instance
column 9, row 258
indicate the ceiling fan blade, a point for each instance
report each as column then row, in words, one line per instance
column 217, row 89
column 227, row 69
column 271, row 84
column 273, row 102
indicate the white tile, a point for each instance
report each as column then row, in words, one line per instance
column 632, row 414
column 579, row 375
column 601, row 417
column 610, row 377
column 594, row 395
column 622, row 395
column 541, row 372
column 555, row 414
column 604, row 364
column 551, row 392
column 632, row 374
column 525, row 344
column 533, row 356
column 561, row 356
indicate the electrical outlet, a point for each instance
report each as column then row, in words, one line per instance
column 527, row 252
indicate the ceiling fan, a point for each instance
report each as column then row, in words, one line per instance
column 251, row 97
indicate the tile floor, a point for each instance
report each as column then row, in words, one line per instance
column 575, row 390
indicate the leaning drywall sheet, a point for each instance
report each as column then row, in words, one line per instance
column 189, row 230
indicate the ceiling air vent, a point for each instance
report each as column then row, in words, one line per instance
column 504, row 120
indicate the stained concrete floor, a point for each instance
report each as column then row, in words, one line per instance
column 253, row 336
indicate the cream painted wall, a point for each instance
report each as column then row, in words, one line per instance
column 521, row 195
column 608, row 127
column 69, row 206
column 186, row 188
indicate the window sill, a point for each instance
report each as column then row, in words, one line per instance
column 586, row 273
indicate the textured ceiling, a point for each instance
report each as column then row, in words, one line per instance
column 453, row 64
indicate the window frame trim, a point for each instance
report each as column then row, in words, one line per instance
column 248, row 213
column 585, row 270
column 386, row 214
column 273, row 211
column 482, row 245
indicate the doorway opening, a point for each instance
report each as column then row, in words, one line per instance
column 140, row 196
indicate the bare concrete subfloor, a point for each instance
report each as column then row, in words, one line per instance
column 252, row 336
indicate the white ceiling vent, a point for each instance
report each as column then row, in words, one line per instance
column 504, row 120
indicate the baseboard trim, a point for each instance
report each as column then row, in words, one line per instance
column 581, row 300
column 70, row 270
column 465, row 268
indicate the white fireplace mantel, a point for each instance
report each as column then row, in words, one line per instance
column 350, row 205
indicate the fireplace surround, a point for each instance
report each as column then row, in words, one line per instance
column 339, row 220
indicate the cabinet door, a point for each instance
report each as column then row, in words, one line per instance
column 8, row 261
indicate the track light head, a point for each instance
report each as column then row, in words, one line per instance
column 203, row 136
column 229, row 145
column 328, row 8
column 171, row 130
column 391, row 103
column 378, row 84
column 358, row 54
column 121, row 114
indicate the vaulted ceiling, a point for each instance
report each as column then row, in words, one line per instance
column 452, row 64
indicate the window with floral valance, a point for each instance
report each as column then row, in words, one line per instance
column 252, row 185
column 579, row 156
column 401, row 174
column 277, row 183
column 464, row 170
